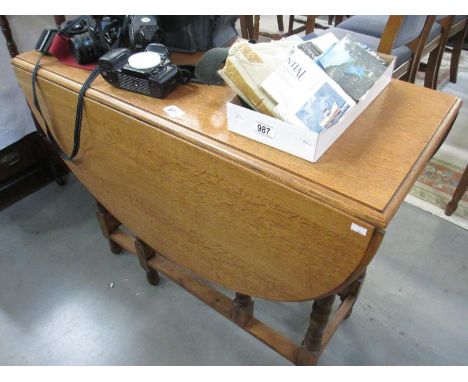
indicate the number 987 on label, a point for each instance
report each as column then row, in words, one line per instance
column 265, row 130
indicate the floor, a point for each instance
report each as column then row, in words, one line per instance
column 66, row 300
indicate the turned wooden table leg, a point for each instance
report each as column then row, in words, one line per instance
column 352, row 290
column 145, row 253
column 108, row 224
column 310, row 349
column 458, row 194
column 243, row 308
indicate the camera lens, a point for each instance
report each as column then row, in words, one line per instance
column 85, row 48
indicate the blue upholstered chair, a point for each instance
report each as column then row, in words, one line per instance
column 374, row 26
column 401, row 36
column 443, row 28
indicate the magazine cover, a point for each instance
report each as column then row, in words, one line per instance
column 314, row 48
column 305, row 94
column 322, row 109
column 353, row 66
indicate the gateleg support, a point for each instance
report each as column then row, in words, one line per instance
column 243, row 309
column 109, row 224
column 311, row 347
column 354, row 289
column 145, row 253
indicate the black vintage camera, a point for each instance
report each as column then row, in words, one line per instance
column 143, row 30
column 100, row 34
column 94, row 36
column 149, row 72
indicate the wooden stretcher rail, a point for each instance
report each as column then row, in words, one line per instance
column 224, row 305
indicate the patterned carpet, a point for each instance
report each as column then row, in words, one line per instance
column 437, row 183
column 435, row 186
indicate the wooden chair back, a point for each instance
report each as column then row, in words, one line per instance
column 6, row 30
column 408, row 70
column 10, row 42
column 436, row 48
column 417, row 47
column 59, row 20
column 392, row 28
column 250, row 27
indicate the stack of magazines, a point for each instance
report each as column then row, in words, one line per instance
column 311, row 84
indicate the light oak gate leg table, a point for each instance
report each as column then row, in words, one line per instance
column 207, row 204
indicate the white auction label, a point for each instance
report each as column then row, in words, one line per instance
column 265, row 130
column 357, row 228
column 174, row 111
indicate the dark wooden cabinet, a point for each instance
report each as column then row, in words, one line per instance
column 26, row 166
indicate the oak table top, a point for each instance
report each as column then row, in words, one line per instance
column 366, row 172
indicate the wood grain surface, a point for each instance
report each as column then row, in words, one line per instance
column 212, row 215
column 366, row 173
column 238, row 213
